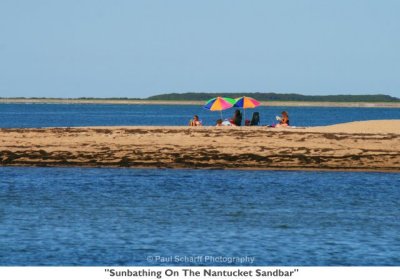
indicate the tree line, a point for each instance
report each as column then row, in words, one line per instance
column 276, row 97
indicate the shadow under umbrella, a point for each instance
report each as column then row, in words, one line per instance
column 244, row 103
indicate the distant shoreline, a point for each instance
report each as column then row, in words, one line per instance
column 160, row 102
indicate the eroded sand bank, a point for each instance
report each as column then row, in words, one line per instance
column 368, row 145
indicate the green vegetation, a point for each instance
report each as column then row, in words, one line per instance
column 276, row 97
column 80, row 98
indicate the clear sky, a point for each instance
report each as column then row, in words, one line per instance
column 128, row 48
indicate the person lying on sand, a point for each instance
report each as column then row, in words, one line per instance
column 225, row 122
column 219, row 122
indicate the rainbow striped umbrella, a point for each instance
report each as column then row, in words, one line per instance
column 246, row 102
column 219, row 103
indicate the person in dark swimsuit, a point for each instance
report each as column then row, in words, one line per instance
column 237, row 118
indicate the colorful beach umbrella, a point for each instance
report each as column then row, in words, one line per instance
column 219, row 103
column 246, row 102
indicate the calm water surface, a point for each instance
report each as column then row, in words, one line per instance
column 84, row 216
column 63, row 115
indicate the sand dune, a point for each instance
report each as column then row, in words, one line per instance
column 372, row 126
column 368, row 145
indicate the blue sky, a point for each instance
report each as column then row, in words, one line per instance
column 128, row 48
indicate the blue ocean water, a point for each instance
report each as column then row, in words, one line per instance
column 108, row 216
column 72, row 115
column 95, row 216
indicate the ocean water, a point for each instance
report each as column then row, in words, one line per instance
column 110, row 216
column 64, row 115
column 95, row 216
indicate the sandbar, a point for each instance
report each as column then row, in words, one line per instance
column 356, row 146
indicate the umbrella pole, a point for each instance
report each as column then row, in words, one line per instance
column 221, row 115
column 244, row 116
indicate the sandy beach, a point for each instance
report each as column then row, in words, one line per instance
column 367, row 145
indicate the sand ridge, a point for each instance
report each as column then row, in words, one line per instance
column 368, row 145
column 366, row 127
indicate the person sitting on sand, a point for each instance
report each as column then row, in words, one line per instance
column 195, row 121
column 219, row 122
column 237, row 118
column 283, row 121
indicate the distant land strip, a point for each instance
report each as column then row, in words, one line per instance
column 202, row 96
column 281, row 97
column 266, row 99
column 126, row 101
